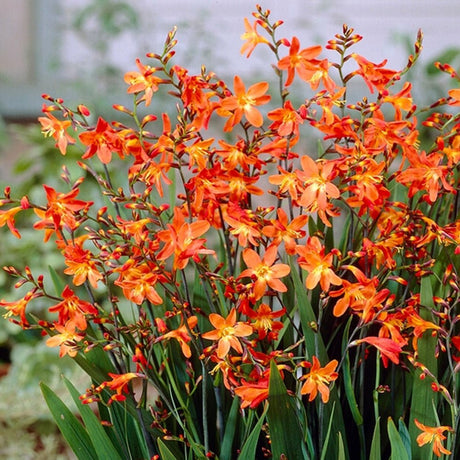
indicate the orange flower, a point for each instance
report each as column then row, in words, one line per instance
column 389, row 349
column 362, row 297
column 243, row 225
column 7, row 217
column 51, row 126
column 181, row 239
column 287, row 181
column 238, row 155
column 263, row 321
column 226, row 332
column 303, row 61
column 263, row 272
column 318, row 264
column 252, row 37
column 136, row 229
column 455, row 95
column 144, row 80
column 119, row 383
column 375, row 75
column 152, row 174
column 425, row 174
column 67, row 339
column 73, row 308
column 80, row 263
column 18, row 308
column 433, row 434
column 401, row 100
column 62, row 210
column 318, row 188
column 195, row 97
column 138, row 282
column 181, row 334
column 327, row 101
column 367, row 187
column 241, row 185
column 282, row 230
column 199, row 152
column 286, row 120
column 102, row 141
column 244, row 103
column 253, row 393
column 318, row 379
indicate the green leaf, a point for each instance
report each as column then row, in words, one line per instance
column 126, row 425
column 422, row 394
column 398, row 449
column 58, row 282
column 165, row 453
column 72, row 430
column 405, row 437
column 248, row 451
column 328, row 434
column 99, row 438
column 286, row 434
column 375, row 453
column 349, row 391
column 307, row 316
column 357, row 417
column 342, row 455
column 229, row 434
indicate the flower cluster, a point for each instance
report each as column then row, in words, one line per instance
column 233, row 260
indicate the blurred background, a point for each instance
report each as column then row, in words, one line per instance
column 80, row 50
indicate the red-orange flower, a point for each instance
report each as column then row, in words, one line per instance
column 62, row 210
column 119, row 383
column 433, row 435
column 425, row 174
column 318, row 188
column 181, row 239
column 244, row 103
column 243, row 225
column 138, row 282
column 367, row 187
column 302, row 61
column 455, row 95
column 312, row 258
column 144, row 80
column 263, row 321
column 51, row 126
column 389, row 349
column 287, row 182
column 66, row 339
column 102, row 141
column 375, row 75
column 7, row 217
column 80, row 263
column 252, row 37
column 72, row 308
column 181, row 334
column 18, row 308
column 286, row 119
column 283, row 230
column 253, row 393
column 318, row 379
column 263, row 272
column 226, row 332
column 362, row 297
